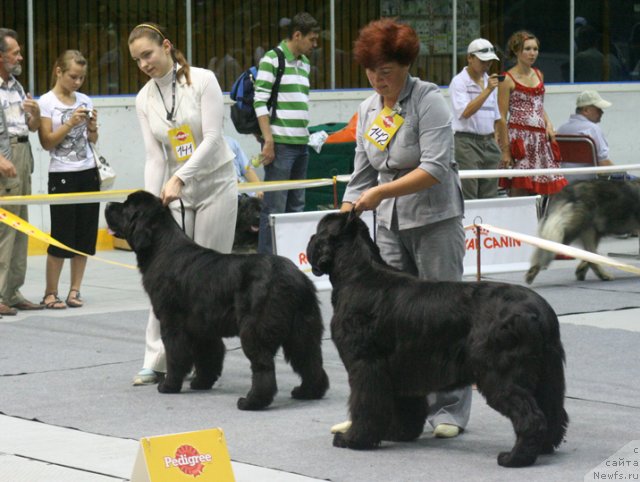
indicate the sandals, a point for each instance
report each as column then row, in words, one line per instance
column 56, row 304
column 74, row 301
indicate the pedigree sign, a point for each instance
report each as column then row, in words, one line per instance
column 200, row 456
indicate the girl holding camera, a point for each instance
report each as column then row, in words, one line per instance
column 69, row 124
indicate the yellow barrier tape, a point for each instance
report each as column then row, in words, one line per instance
column 562, row 249
column 120, row 195
column 69, row 198
column 264, row 186
column 23, row 226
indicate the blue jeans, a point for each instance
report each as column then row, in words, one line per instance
column 290, row 163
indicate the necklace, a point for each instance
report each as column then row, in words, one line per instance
column 173, row 96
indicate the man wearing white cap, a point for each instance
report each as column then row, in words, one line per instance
column 589, row 109
column 475, row 113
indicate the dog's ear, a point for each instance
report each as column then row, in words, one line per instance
column 353, row 214
column 140, row 234
column 353, row 222
column 319, row 254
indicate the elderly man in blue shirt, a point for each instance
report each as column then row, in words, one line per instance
column 589, row 110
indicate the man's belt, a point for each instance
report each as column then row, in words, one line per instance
column 19, row 139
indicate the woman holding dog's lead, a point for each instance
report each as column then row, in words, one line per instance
column 180, row 111
column 404, row 169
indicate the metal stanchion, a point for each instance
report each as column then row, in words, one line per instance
column 478, row 255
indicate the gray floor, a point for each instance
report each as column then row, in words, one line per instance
column 69, row 412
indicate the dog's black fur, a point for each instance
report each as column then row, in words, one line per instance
column 201, row 296
column 587, row 210
column 401, row 338
column 247, row 224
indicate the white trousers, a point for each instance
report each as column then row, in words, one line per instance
column 211, row 206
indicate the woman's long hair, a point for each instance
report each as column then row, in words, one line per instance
column 156, row 33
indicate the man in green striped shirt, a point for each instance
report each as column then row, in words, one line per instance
column 284, row 138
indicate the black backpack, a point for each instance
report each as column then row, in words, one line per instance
column 242, row 91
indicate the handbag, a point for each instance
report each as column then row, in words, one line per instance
column 106, row 173
column 555, row 150
column 517, row 149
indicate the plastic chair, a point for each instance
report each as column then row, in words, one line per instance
column 577, row 151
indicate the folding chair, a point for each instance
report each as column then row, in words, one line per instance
column 577, row 151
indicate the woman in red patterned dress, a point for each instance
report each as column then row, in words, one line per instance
column 525, row 140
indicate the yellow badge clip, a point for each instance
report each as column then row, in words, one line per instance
column 383, row 128
column 181, row 139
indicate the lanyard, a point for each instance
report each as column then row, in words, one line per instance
column 173, row 96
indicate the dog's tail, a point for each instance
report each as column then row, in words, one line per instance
column 550, row 394
column 553, row 227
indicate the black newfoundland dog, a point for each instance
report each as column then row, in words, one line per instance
column 201, row 296
column 400, row 338
column 247, row 224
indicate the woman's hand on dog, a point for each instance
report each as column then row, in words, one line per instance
column 368, row 200
column 172, row 190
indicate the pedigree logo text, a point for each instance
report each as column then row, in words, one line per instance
column 181, row 136
column 188, row 460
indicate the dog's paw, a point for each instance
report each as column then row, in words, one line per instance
column 531, row 274
column 508, row 459
column 199, row 384
column 163, row 387
column 547, row 449
column 603, row 275
column 307, row 391
column 339, row 441
column 248, row 404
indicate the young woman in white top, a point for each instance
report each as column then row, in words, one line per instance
column 68, row 125
column 180, row 111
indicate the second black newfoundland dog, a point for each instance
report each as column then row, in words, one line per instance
column 400, row 338
column 247, row 224
column 201, row 296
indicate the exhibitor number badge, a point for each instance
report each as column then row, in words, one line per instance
column 182, row 142
column 383, row 128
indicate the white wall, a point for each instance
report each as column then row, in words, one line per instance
column 121, row 144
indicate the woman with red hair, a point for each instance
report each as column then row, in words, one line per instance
column 404, row 169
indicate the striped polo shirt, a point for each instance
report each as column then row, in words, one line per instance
column 290, row 126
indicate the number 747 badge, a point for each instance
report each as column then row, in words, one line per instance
column 383, row 128
column 182, row 142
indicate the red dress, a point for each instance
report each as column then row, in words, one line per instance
column 526, row 122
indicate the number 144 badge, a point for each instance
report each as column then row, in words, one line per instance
column 182, row 142
column 383, row 128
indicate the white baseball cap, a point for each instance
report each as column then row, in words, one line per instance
column 483, row 49
column 591, row 97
